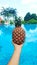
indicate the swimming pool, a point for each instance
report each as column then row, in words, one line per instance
column 29, row 50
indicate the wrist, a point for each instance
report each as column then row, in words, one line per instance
column 18, row 50
column 18, row 47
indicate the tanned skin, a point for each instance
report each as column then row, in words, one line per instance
column 15, row 57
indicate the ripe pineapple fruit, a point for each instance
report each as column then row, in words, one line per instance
column 18, row 33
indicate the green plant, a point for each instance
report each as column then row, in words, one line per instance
column 2, row 21
column 31, row 21
column 23, row 22
column 11, row 22
column 8, row 13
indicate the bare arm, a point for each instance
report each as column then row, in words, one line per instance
column 15, row 58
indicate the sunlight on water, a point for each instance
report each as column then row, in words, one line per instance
column 1, row 32
column 23, row 27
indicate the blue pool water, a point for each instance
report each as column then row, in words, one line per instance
column 29, row 50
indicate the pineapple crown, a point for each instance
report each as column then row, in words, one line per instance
column 17, row 22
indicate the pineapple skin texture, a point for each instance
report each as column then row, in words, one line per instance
column 18, row 35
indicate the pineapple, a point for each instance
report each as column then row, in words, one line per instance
column 18, row 33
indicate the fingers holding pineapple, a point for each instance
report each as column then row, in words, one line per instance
column 17, row 47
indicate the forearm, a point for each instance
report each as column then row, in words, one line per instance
column 15, row 58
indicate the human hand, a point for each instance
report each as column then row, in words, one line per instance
column 17, row 47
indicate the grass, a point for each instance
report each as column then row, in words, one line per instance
column 32, row 21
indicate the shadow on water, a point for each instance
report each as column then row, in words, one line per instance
column 30, row 26
column 27, row 26
column 7, row 28
column 0, row 48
